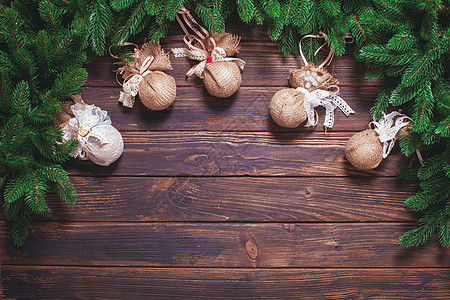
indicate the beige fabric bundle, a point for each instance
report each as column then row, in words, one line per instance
column 364, row 150
column 287, row 108
column 157, row 90
column 97, row 139
column 312, row 77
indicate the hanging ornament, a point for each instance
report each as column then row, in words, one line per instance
column 157, row 90
column 221, row 73
column 312, row 86
column 365, row 150
column 97, row 139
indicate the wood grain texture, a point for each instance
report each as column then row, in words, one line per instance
column 243, row 199
column 248, row 110
column 235, row 153
column 145, row 283
column 227, row 245
column 265, row 67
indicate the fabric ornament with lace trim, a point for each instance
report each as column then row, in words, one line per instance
column 144, row 75
column 97, row 139
column 312, row 86
column 220, row 72
column 365, row 150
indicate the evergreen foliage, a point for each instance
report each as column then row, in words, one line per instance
column 44, row 43
column 42, row 50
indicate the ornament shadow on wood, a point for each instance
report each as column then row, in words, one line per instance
column 220, row 72
column 97, row 139
column 144, row 75
column 312, row 86
column 366, row 149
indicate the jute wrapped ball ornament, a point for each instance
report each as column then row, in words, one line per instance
column 221, row 73
column 145, row 76
column 367, row 149
column 313, row 86
column 364, row 150
column 287, row 108
column 157, row 91
column 222, row 79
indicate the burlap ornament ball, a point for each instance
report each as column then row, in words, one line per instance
column 222, row 78
column 157, row 90
column 287, row 109
column 364, row 150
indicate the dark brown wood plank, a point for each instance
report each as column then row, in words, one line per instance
column 265, row 66
column 222, row 245
column 145, row 283
column 230, row 154
column 248, row 110
column 236, row 199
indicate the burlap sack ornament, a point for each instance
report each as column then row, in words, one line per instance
column 365, row 150
column 97, row 139
column 157, row 90
column 220, row 72
column 287, row 108
column 313, row 86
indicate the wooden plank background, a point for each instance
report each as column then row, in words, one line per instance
column 211, row 199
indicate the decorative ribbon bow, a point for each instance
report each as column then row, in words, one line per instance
column 387, row 129
column 327, row 100
column 201, row 54
column 132, row 82
column 86, row 118
column 217, row 54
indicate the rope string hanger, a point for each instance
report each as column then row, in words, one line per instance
column 312, row 86
column 220, row 72
column 144, row 76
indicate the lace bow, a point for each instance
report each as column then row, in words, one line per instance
column 387, row 129
column 327, row 100
column 131, row 85
column 217, row 54
column 86, row 118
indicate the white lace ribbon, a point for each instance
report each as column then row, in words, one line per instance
column 387, row 129
column 86, row 118
column 327, row 100
column 217, row 54
column 131, row 85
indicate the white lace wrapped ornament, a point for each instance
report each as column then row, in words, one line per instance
column 97, row 139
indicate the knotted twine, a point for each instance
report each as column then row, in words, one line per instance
column 365, row 150
column 97, row 139
column 315, row 87
column 220, row 72
column 144, row 75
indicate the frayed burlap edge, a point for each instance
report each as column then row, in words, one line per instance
column 66, row 111
column 327, row 81
column 227, row 41
column 161, row 61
